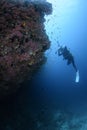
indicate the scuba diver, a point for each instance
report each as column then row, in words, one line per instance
column 62, row 50
column 67, row 56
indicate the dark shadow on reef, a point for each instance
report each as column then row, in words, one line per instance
column 23, row 41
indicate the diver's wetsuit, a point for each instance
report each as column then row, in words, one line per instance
column 67, row 56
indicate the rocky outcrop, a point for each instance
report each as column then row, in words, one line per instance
column 23, row 41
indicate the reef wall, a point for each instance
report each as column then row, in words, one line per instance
column 23, row 41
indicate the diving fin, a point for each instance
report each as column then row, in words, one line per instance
column 77, row 77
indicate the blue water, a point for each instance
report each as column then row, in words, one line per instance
column 52, row 100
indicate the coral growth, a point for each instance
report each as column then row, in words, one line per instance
column 23, row 40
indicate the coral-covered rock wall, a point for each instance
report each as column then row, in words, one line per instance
column 23, row 41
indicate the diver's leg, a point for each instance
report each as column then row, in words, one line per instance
column 73, row 63
column 68, row 62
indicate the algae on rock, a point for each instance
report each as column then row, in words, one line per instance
column 23, row 40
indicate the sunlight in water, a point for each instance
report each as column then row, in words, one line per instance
column 63, row 5
column 62, row 26
column 64, row 20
